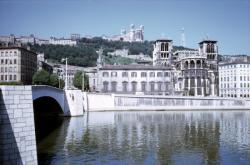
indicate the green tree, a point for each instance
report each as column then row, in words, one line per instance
column 54, row 80
column 41, row 77
column 77, row 81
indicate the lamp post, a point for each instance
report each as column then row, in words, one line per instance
column 82, row 80
column 66, row 72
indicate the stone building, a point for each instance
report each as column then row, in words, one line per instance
column 195, row 71
column 17, row 65
column 187, row 72
column 135, row 79
column 234, row 79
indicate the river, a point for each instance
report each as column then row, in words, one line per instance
column 149, row 138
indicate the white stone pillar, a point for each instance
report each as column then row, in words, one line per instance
column 195, row 87
column 202, row 87
column 189, row 83
column 212, row 89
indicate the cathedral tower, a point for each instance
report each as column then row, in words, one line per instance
column 162, row 53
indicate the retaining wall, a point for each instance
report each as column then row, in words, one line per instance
column 105, row 102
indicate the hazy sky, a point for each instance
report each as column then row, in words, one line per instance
column 227, row 21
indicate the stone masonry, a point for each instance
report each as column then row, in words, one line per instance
column 17, row 129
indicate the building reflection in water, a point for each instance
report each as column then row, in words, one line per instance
column 201, row 137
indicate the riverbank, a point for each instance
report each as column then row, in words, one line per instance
column 124, row 102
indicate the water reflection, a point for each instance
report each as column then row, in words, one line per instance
column 150, row 138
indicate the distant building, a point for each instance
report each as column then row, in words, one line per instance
column 41, row 63
column 17, row 65
column 8, row 39
column 75, row 37
column 62, row 41
column 26, row 39
column 41, row 41
column 119, row 52
column 234, row 79
column 236, row 58
column 133, row 35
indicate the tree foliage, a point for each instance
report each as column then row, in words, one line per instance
column 77, row 81
column 43, row 77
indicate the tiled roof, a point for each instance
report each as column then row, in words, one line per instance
column 134, row 67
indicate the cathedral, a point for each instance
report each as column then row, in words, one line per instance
column 180, row 72
column 195, row 72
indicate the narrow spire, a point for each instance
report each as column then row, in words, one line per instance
column 183, row 39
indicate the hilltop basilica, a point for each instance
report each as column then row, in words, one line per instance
column 185, row 72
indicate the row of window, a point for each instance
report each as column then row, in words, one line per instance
column 234, row 95
column 8, row 61
column 8, row 53
column 234, row 66
column 134, row 74
column 242, row 78
column 242, row 85
column 5, row 77
column 8, row 69
column 134, row 85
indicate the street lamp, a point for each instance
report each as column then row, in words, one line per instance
column 66, row 72
column 82, row 80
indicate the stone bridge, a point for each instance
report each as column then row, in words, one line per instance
column 18, row 105
column 70, row 101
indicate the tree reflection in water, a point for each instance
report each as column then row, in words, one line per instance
column 153, row 138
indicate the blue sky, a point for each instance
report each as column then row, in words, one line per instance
column 227, row 21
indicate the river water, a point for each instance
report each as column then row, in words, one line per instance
column 150, row 138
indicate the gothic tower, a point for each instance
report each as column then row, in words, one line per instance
column 209, row 49
column 162, row 53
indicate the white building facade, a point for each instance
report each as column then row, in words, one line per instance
column 132, row 35
column 234, row 79
column 134, row 79
column 62, row 41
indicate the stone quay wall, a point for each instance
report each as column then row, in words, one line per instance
column 17, row 129
column 106, row 102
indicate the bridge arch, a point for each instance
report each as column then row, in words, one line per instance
column 51, row 94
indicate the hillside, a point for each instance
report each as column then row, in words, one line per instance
column 84, row 54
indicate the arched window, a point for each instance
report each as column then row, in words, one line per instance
column 124, row 86
column 212, row 48
column 105, row 86
column 152, row 86
column 198, row 64
column 162, row 46
column 113, row 86
column 166, row 47
column 143, row 86
column 192, row 64
column 159, row 86
column 186, row 65
column 203, row 64
column 134, row 86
